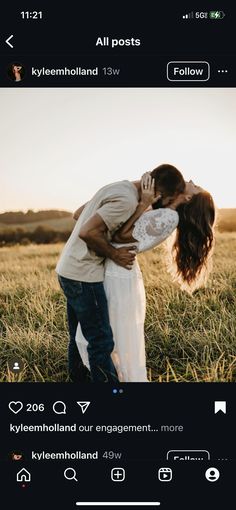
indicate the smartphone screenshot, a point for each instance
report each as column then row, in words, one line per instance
column 117, row 256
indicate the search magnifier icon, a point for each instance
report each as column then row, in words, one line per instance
column 70, row 474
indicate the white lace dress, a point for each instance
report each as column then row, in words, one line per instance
column 126, row 299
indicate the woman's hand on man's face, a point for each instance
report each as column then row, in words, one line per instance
column 148, row 196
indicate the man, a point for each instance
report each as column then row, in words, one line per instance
column 81, row 267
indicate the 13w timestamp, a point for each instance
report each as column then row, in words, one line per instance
column 111, row 71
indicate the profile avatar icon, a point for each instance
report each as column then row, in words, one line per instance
column 16, row 365
column 212, row 474
column 16, row 456
column 16, row 72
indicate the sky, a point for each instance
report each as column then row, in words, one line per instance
column 59, row 146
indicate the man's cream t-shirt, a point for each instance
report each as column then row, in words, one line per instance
column 115, row 204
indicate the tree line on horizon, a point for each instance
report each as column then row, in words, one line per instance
column 30, row 216
column 40, row 235
column 45, row 234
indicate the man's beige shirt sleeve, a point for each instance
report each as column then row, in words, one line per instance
column 116, row 212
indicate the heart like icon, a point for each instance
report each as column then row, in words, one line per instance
column 15, row 407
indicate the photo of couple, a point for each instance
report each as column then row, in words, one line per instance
column 118, row 235
column 101, row 278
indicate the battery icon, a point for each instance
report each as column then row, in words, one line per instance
column 216, row 14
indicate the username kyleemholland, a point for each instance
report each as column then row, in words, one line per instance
column 65, row 71
column 78, row 455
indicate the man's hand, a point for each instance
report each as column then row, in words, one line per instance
column 94, row 234
column 124, row 256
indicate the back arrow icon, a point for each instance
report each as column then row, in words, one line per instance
column 8, row 41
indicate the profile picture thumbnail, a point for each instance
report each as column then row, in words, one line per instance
column 16, row 72
column 16, row 456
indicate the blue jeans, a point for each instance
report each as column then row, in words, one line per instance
column 87, row 305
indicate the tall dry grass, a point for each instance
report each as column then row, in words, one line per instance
column 188, row 339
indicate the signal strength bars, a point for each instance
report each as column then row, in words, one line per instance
column 190, row 15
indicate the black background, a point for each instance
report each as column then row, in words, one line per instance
column 66, row 37
column 190, row 405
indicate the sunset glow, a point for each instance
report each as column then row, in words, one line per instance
column 60, row 145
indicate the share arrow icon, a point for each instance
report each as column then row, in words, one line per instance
column 83, row 406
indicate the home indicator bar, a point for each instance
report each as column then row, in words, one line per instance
column 117, row 503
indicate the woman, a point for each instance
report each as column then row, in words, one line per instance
column 192, row 213
column 16, row 72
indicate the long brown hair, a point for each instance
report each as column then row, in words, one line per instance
column 194, row 241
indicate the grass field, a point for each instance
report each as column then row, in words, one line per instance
column 187, row 338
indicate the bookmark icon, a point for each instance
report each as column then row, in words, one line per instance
column 220, row 406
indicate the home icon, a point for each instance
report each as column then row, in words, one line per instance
column 23, row 476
